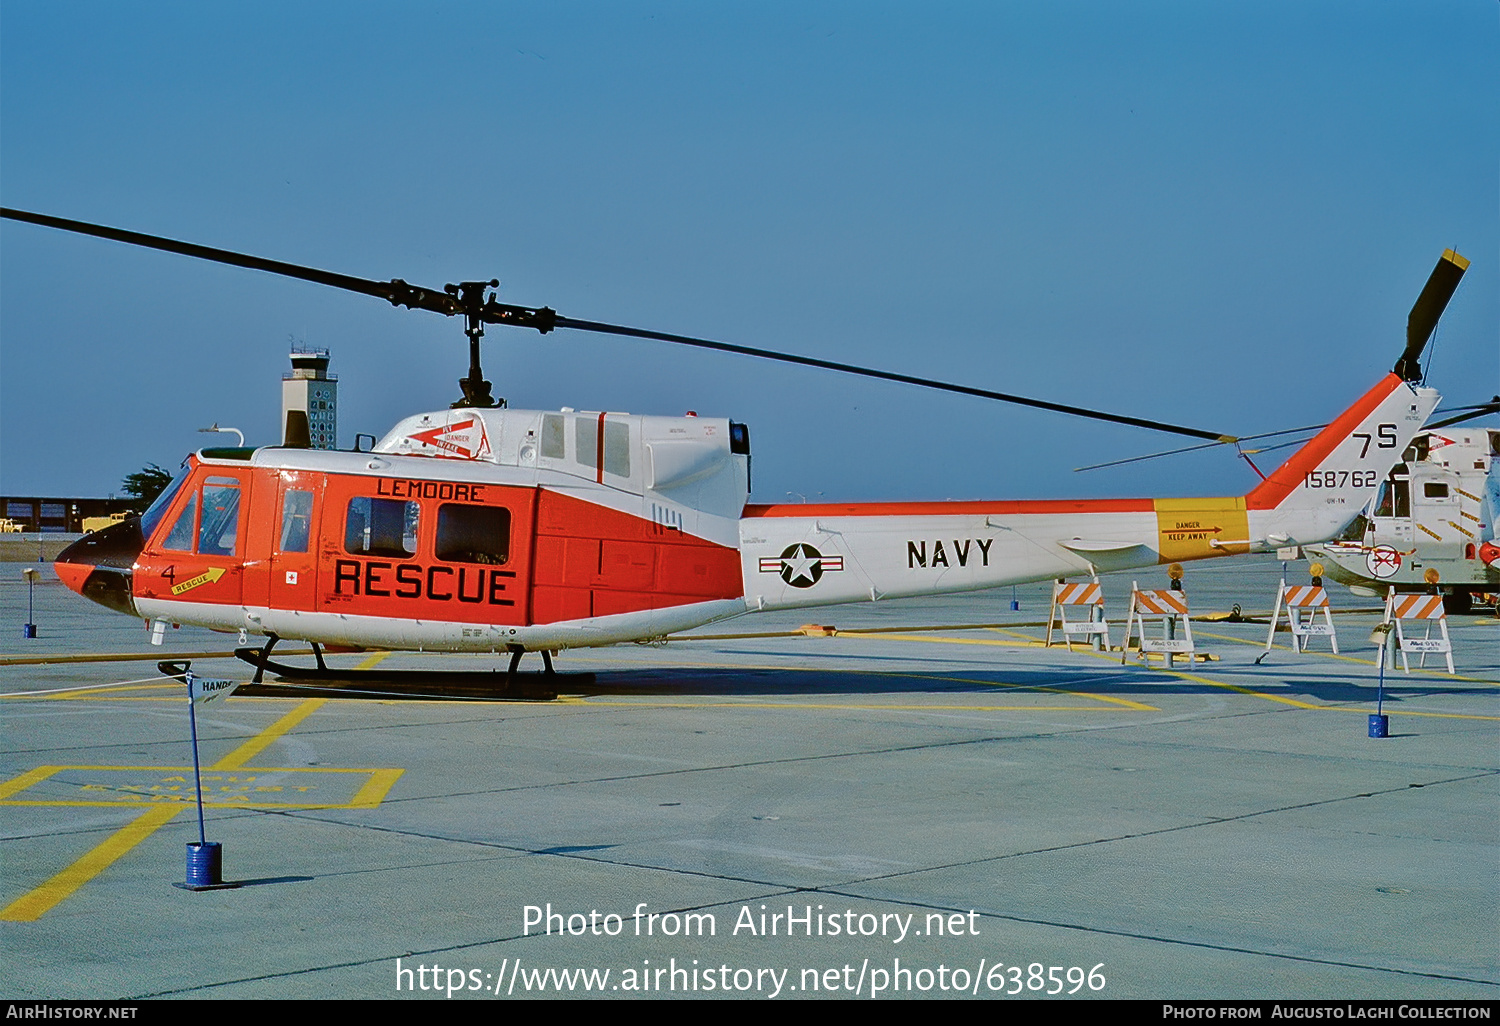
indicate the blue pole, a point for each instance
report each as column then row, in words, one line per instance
column 197, row 777
column 1385, row 642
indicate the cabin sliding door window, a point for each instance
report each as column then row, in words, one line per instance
column 381, row 527
column 473, row 534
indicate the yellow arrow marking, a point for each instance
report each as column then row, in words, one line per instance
column 208, row 576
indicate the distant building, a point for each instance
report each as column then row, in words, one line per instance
column 59, row 514
column 311, row 390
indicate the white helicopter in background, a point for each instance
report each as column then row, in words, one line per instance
column 1435, row 513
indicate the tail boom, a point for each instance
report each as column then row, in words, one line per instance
column 808, row 555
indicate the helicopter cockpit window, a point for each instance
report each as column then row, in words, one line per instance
column 218, row 528
column 553, row 437
column 180, row 538
column 296, row 516
column 158, row 508
column 381, row 527
column 473, row 534
column 1395, row 499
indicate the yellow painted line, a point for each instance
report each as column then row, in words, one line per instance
column 34, row 904
column 1109, row 699
column 703, row 664
column 260, row 742
column 1413, row 712
column 187, row 799
column 123, row 657
column 170, row 692
column 935, row 641
column 26, row 779
column 845, row 706
column 375, row 789
column 1324, row 655
column 368, row 795
column 1026, row 637
column 1213, row 683
column 1321, row 708
column 581, row 700
column 1194, row 678
column 1443, row 675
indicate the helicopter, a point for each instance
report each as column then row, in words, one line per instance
column 481, row 528
column 1435, row 511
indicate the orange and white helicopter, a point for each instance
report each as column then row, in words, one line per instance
column 485, row 529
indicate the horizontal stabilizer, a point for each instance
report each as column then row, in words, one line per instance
column 1085, row 545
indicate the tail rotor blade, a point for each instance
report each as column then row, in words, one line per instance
column 1429, row 306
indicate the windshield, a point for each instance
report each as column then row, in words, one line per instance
column 153, row 514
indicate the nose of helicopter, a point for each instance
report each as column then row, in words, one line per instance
column 99, row 566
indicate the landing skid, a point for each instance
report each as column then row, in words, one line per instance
column 442, row 685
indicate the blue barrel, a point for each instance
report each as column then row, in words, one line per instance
column 1380, row 725
column 205, row 863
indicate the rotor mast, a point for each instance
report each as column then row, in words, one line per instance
column 471, row 296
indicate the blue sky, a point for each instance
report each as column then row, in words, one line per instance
column 1215, row 214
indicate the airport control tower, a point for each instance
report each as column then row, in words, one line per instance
column 309, row 389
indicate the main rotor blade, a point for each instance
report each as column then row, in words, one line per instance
column 1441, row 284
column 1195, row 448
column 1476, row 410
column 1493, row 406
column 907, row 379
column 398, row 292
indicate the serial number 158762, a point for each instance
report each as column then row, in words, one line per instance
column 1342, row 478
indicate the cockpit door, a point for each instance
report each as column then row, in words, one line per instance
column 200, row 556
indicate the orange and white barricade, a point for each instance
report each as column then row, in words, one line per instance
column 1171, row 608
column 1094, row 627
column 1419, row 607
column 1299, row 601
